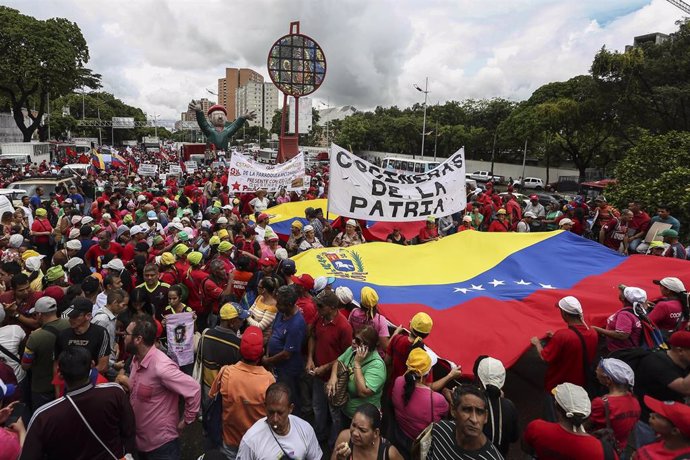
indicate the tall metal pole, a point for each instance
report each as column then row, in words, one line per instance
column 493, row 152
column 436, row 138
column 426, row 93
column 524, row 160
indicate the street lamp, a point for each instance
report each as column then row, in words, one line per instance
column 328, row 106
column 426, row 93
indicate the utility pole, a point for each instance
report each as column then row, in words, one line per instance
column 426, row 93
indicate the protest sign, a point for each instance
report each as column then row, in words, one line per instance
column 146, row 169
column 362, row 190
column 191, row 166
column 247, row 175
column 179, row 329
column 175, row 169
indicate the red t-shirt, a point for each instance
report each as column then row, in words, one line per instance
column 193, row 283
column 398, row 349
column 169, row 276
column 498, row 226
column 614, row 233
column 128, row 251
column 41, row 226
column 563, row 354
column 427, row 233
column 332, row 339
column 624, row 412
column 211, row 293
column 96, row 253
column 551, row 441
column 657, row 451
column 666, row 313
column 308, row 308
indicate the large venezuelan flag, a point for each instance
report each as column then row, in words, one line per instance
column 488, row 293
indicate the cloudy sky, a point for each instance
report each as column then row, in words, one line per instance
column 160, row 54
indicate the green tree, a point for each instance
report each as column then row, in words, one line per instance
column 656, row 171
column 38, row 60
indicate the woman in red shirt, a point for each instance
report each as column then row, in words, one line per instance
column 500, row 224
column 40, row 233
column 623, row 407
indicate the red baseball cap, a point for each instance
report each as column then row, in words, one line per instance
column 268, row 261
column 533, row 197
column 56, row 292
column 306, row 281
column 252, row 344
column 677, row 413
column 262, row 216
column 680, row 339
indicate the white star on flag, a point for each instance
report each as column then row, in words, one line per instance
column 547, row 286
column 523, row 283
column 478, row 288
column 496, row 282
column 463, row 290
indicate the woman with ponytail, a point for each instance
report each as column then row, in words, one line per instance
column 416, row 404
column 502, row 424
column 670, row 312
column 565, row 438
column 623, row 328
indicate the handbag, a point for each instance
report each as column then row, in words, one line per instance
column 606, row 435
column 81, row 416
column 340, row 396
column 422, row 443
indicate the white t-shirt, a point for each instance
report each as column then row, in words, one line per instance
column 10, row 338
column 261, row 232
column 522, row 227
column 259, row 205
column 300, row 443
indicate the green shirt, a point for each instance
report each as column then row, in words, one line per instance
column 374, row 370
column 218, row 138
column 39, row 350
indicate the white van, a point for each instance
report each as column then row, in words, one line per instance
column 76, row 169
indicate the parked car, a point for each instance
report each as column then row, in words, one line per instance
column 485, row 176
column 532, row 183
column 29, row 187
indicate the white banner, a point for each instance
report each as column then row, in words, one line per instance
column 247, row 175
column 175, row 169
column 362, row 190
column 123, row 122
column 146, row 169
column 191, row 166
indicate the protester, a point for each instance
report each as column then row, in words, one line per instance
column 243, row 388
column 279, row 434
column 89, row 422
column 462, row 437
column 623, row 328
column 670, row 312
column 671, row 423
column 364, row 437
column 367, row 314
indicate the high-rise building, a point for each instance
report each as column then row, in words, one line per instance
column 262, row 98
column 228, row 86
column 189, row 115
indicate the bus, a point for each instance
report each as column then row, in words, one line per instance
column 404, row 165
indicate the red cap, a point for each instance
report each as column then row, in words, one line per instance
column 262, row 216
column 213, row 108
column 252, row 344
column 56, row 292
column 306, row 281
column 677, row 413
column 159, row 329
column 680, row 339
column 533, row 197
column 268, row 261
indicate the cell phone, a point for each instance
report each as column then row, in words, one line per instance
column 17, row 411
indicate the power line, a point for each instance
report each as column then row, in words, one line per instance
column 680, row 4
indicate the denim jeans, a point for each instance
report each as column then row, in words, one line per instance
column 168, row 451
column 323, row 411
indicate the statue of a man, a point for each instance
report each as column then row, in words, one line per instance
column 218, row 131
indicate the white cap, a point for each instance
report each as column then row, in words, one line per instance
column 281, row 254
column 74, row 245
column 135, row 229
column 308, row 228
column 115, row 264
column 177, row 225
column 491, row 372
column 351, row 222
column 570, row 305
column 227, row 206
column 222, row 220
column 75, row 219
column 86, row 220
column 73, row 262
column 106, row 216
column 635, row 295
column 33, row 264
column 530, row 214
column 141, row 198
column 573, row 400
column 74, row 233
column 344, row 294
column 467, row 219
column 68, row 201
column 565, row 221
column 672, row 284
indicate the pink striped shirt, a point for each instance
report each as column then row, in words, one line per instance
column 155, row 383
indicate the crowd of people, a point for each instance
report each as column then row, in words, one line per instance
column 134, row 307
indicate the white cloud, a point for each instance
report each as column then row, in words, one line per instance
column 158, row 54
